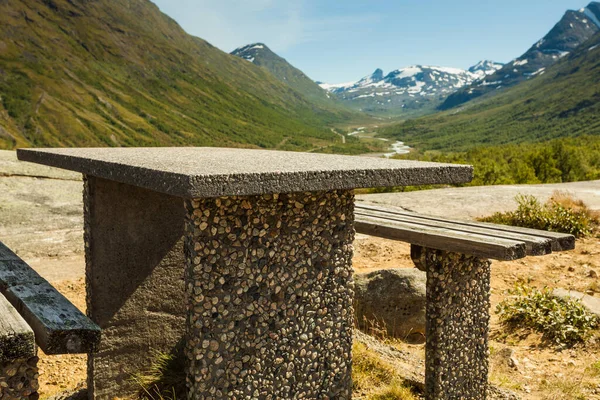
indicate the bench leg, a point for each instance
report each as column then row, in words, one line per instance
column 269, row 286
column 19, row 379
column 458, row 293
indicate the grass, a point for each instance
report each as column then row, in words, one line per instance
column 108, row 73
column 561, row 213
column 563, row 322
column 165, row 377
column 374, row 378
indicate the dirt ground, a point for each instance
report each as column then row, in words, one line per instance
column 41, row 219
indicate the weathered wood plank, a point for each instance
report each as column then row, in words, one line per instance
column 59, row 327
column 560, row 241
column 442, row 239
column 16, row 337
column 535, row 245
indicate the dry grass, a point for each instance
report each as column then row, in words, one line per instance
column 374, row 378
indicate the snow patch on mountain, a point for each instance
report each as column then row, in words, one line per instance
column 411, row 87
column 588, row 13
column 248, row 52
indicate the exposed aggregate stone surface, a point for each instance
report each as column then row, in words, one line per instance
column 19, row 379
column 269, row 280
column 458, row 302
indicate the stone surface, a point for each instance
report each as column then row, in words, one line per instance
column 134, row 280
column 393, row 300
column 269, row 283
column 19, row 379
column 16, row 337
column 592, row 304
column 210, row 172
column 458, row 302
column 472, row 202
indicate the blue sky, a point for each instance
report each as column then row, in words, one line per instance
column 343, row 40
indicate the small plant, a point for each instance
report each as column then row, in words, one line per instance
column 165, row 379
column 564, row 322
column 560, row 214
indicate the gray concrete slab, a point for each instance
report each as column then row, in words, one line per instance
column 211, row 172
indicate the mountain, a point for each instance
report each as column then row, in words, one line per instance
column 413, row 90
column 121, row 73
column 562, row 102
column 574, row 28
column 259, row 54
column 484, row 68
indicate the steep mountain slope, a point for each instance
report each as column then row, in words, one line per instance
column 119, row 72
column 413, row 90
column 562, row 102
column 259, row 54
column 574, row 28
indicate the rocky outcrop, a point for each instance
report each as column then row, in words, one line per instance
column 393, row 301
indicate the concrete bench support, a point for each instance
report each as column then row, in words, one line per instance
column 18, row 361
column 134, row 280
column 458, row 302
column 269, row 281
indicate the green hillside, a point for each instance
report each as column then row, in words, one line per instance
column 121, row 73
column 259, row 54
column 564, row 101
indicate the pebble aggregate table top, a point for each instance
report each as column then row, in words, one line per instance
column 194, row 172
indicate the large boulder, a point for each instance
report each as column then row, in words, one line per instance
column 393, row 301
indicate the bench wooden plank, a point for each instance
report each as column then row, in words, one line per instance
column 559, row 241
column 442, row 239
column 16, row 337
column 59, row 327
column 535, row 245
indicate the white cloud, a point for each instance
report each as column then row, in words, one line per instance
column 280, row 24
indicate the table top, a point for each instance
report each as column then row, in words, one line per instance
column 195, row 172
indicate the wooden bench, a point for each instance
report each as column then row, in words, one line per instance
column 18, row 361
column 455, row 255
column 59, row 327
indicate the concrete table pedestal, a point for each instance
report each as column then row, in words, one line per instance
column 270, row 296
column 251, row 248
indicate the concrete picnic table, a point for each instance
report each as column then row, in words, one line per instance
column 241, row 257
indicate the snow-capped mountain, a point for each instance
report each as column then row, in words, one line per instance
column 411, row 88
column 485, row 67
column 249, row 51
column 573, row 29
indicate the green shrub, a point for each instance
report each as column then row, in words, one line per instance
column 563, row 322
column 559, row 215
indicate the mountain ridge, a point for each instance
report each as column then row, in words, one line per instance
column 416, row 88
column 261, row 55
column 121, row 73
column 562, row 102
column 573, row 29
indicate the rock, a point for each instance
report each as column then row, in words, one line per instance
column 592, row 274
column 592, row 304
column 391, row 300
